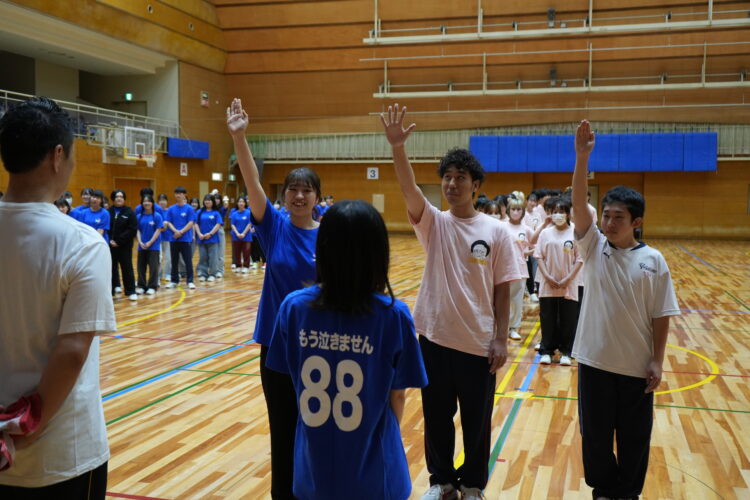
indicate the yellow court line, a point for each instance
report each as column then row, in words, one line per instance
column 157, row 313
column 714, row 372
column 506, row 379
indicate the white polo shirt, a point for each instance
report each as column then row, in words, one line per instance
column 625, row 290
column 56, row 279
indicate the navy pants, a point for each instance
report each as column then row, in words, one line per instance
column 91, row 485
column 182, row 249
column 614, row 407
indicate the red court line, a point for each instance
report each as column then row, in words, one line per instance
column 178, row 340
column 132, row 497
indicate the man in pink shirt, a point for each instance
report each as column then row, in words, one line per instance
column 461, row 314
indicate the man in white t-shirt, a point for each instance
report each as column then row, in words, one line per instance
column 54, row 300
column 461, row 314
column 621, row 336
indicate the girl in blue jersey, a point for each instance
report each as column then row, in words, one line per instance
column 166, row 238
column 289, row 245
column 242, row 236
column 95, row 216
column 208, row 222
column 351, row 350
column 150, row 224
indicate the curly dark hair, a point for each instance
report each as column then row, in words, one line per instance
column 462, row 159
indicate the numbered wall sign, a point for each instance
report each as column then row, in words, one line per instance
column 372, row 173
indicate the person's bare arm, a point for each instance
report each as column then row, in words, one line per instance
column 573, row 273
column 584, row 144
column 545, row 274
column 498, row 354
column 398, row 400
column 396, row 134
column 237, row 121
column 654, row 371
column 59, row 377
column 539, row 228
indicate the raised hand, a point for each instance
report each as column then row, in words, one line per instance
column 237, row 119
column 393, row 122
column 584, row 138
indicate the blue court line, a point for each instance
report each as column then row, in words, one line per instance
column 717, row 311
column 171, row 372
column 511, row 418
column 699, row 259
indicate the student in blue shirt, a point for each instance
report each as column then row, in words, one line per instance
column 208, row 223
column 289, row 245
column 222, row 205
column 95, row 216
column 351, row 350
column 157, row 208
column 150, row 225
column 165, row 268
column 180, row 220
column 242, row 236
column 75, row 212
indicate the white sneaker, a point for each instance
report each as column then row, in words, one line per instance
column 245, row 270
column 170, row 285
column 513, row 334
column 255, row 266
column 441, row 492
column 150, row 291
column 471, row 493
column 545, row 359
column 191, row 285
column 201, row 278
column 210, row 278
column 534, row 298
column 565, row 360
column 139, row 291
column 219, row 276
column 133, row 297
column 234, row 266
column 537, row 346
column 118, row 289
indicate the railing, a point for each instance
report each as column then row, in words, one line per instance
column 734, row 141
column 87, row 119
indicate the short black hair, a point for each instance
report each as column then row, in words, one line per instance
column 114, row 193
column 561, row 202
column 462, row 159
column 30, row 131
column 67, row 194
column 59, row 203
column 302, row 177
column 97, row 193
column 632, row 199
column 482, row 200
column 180, row 189
column 86, row 191
column 163, row 196
column 352, row 255
column 147, row 190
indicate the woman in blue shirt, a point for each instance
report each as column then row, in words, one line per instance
column 242, row 236
column 289, row 245
column 351, row 350
column 95, row 216
column 208, row 223
column 150, row 225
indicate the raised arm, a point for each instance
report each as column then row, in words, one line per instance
column 396, row 134
column 237, row 121
column 584, row 144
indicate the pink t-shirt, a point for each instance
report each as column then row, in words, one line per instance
column 466, row 258
column 521, row 235
column 559, row 251
column 531, row 219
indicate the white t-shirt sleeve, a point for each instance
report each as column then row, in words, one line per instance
column 505, row 256
column 589, row 242
column 665, row 300
column 88, row 303
column 424, row 226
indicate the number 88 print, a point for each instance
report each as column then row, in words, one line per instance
column 345, row 393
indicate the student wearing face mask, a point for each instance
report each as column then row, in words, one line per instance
column 521, row 235
column 558, row 262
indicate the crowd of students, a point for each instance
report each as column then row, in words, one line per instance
column 338, row 349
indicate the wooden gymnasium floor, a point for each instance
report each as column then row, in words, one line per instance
column 187, row 420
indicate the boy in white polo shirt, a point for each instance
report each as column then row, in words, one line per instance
column 461, row 314
column 621, row 336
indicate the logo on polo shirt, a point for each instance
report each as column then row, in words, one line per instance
column 183, row 214
column 480, row 251
column 151, row 223
column 648, row 271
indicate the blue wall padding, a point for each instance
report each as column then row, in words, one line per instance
column 667, row 152
column 512, row 153
column 606, row 154
column 662, row 152
column 701, row 150
column 542, row 153
column 185, row 148
column 566, row 153
column 635, row 153
column 485, row 149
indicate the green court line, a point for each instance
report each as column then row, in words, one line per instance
column 737, row 299
column 509, row 420
column 656, row 405
column 222, row 351
column 152, row 403
column 220, row 373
